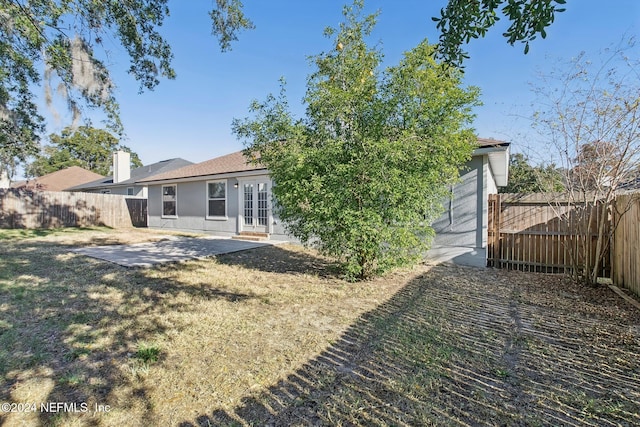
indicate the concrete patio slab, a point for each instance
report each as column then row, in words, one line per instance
column 170, row 250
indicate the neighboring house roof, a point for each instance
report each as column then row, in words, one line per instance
column 59, row 180
column 137, row 174
column 632, row 184
column 230, row 163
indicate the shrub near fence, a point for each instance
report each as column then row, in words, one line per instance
column 50, row 209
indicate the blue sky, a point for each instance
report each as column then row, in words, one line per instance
column 191, row 116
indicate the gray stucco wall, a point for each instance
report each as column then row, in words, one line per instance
column 192, row 209
column 464, row 221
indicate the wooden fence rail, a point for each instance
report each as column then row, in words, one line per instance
column 533, row 232
column 49, row 209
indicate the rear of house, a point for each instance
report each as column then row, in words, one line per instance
column 231, row 196
column 227, row 196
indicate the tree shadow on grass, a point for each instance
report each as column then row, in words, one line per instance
column 27, row 233
column 459, row 346
column 286, row 259
column 71, row 327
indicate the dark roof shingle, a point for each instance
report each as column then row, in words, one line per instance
column 237, row 162
column 485, row 142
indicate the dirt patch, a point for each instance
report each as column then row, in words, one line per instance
column 273, row 336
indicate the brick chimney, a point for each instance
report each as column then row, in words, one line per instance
column 121, row 166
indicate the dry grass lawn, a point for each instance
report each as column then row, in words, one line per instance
column 273, row 336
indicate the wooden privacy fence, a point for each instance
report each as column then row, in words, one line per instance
column 531, row 233
column 49, row 209
column 626, row 243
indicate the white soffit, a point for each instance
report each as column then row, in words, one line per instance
column 498, row 160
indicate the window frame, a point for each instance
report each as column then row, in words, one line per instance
column 132, row 193
column 225, row 199
column 175, row 201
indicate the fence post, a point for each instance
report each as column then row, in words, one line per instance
column 493, row 229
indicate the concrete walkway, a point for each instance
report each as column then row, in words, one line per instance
column 174, row 249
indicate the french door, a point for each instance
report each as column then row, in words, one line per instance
column 255, row 197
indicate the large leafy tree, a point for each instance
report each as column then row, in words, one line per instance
column 363, row 174
column 60, row 43
column 86, row 147
column 463, row 20
column 527, row 178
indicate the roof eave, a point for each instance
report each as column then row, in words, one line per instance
column 499, row 163
column 223, row 175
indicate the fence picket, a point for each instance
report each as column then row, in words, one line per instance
column 48, row 209
column 529, row 234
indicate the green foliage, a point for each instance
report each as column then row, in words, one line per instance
column 59, row 44
column 362, row 176
column 227, row 20
column 62, row 45
column 147, row 353
column 463, row 20
column 85, row 146
column 525, row 178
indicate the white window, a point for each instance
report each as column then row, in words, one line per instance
column 169, row 200
column 129, row 191
column 216, row 199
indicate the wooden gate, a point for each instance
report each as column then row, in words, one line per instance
column 138, row 212
column 533, row 233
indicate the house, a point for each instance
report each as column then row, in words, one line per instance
column 124, row 180
column 462, row 229
column 59, row 180
column 225, row 196
column 229, row 196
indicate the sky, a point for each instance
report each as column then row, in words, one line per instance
column 190, row 117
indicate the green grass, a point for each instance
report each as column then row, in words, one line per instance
column 21, row 234
column 147, row 353
column 273, row 336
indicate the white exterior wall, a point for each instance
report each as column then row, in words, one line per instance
column 492, row 187
column 5, row 182
column 121, row 166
